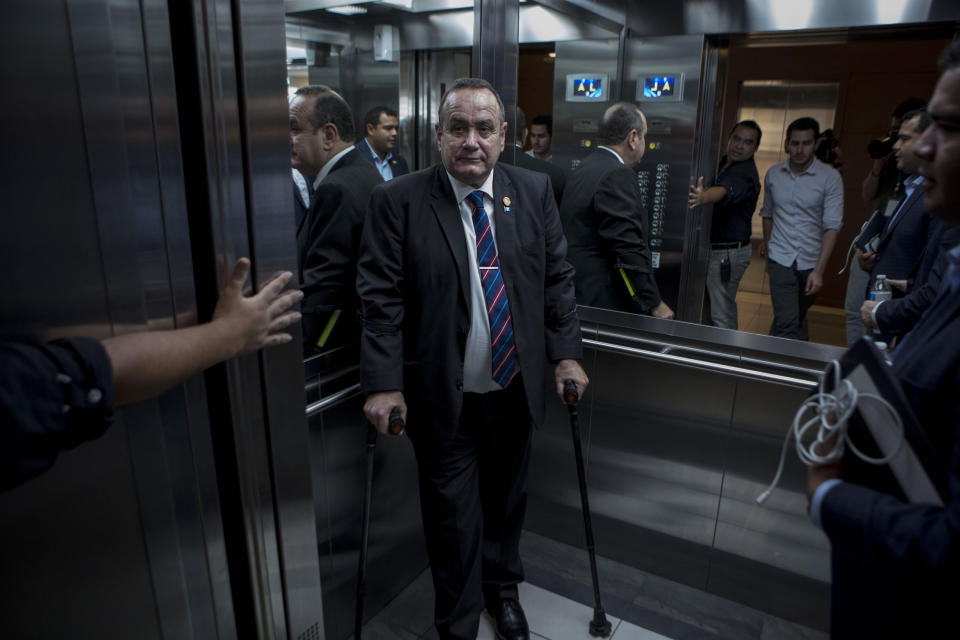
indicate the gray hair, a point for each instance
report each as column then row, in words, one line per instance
column 471, row 83
column 330, row 108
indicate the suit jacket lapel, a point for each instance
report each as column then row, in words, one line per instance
column 903, row 212
column 506, row 224
column 447, row 213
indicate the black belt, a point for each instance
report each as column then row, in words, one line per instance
column 729, row 245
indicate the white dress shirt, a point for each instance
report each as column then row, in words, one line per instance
column 383, row 166
column 477, row 375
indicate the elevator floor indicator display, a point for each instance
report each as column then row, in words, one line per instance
column 666, row 88
column 587, row 87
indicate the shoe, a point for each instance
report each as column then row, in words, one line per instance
column 511, row 624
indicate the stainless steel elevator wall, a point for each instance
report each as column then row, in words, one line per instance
column 396, row 552
column 676, row 454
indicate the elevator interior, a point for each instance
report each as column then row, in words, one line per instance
column 145, row 148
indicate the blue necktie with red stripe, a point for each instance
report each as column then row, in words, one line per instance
column 503, row 365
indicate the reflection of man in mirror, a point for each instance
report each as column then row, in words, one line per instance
column 382, row 127
column 606, row 224
column 904, row 227
column 466, row 296
column 912, row 248
column 518, row 158
column 802, row 213
column 541, row 138
column 321, row 140
column 734, row 195
column 895, row 564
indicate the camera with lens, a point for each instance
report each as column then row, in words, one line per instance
column 882, row 147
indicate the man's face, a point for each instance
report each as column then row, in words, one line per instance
column 306, row 154
column 540, row 139
column 742, row 144
column 470, row 137
column 907, row 162
column 800, row 146
column 383, row 137
column 938, row 149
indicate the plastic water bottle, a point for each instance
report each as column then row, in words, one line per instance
column 881, row 289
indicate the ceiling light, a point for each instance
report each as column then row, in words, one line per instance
column 348, row 10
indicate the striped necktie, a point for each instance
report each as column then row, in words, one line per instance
column 503, row 365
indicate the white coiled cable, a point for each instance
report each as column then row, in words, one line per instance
column 831, row 413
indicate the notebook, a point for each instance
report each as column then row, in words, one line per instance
column 918, row 473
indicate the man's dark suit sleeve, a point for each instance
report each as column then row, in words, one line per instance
column 622, row 233
column 333, row 229
column 380, row 287
column 898, row 316
column 916, row 540
column 561, row 325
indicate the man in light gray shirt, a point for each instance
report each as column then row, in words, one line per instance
column 802, row 214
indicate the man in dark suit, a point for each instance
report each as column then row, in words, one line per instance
column 898, row 316
column 466, row 295
column 895, row 565
column 382, row 127
column 606, row 224
column 905, row 233
column 328, row 238
column 514, row 155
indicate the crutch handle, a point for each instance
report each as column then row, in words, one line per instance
column 395, row 424
column 570, row 393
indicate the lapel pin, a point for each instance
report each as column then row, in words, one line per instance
column 506, row 201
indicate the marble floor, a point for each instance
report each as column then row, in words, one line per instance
column 558, row 601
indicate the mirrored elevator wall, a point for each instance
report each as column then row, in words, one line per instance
column 681, row 432
column 145, row 150
column 663, row 174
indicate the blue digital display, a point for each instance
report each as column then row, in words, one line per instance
column 588, row 87
column 659, row 87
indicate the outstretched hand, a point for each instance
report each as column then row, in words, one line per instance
column 696, row 194
column 256, row 321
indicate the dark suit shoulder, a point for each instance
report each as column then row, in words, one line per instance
column 520, row 175
column 412, row 183
column 350, row 168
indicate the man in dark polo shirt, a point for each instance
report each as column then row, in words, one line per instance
column 734, row 196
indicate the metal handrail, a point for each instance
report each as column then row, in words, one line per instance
column 703, row 364
column 333, row 399
column 666, row 347
column 663, row 354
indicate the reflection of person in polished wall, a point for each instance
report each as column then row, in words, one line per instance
column 518, row 158
column 802, row 213
column 896, row 565
column 606, row 224
column 877, row 189
column 541, row 138
column 734, row 197
column 321, row 138
column 379, row 145
column 466, row 296
column 905, row 230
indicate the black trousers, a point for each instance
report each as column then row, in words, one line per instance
column 473, row 499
